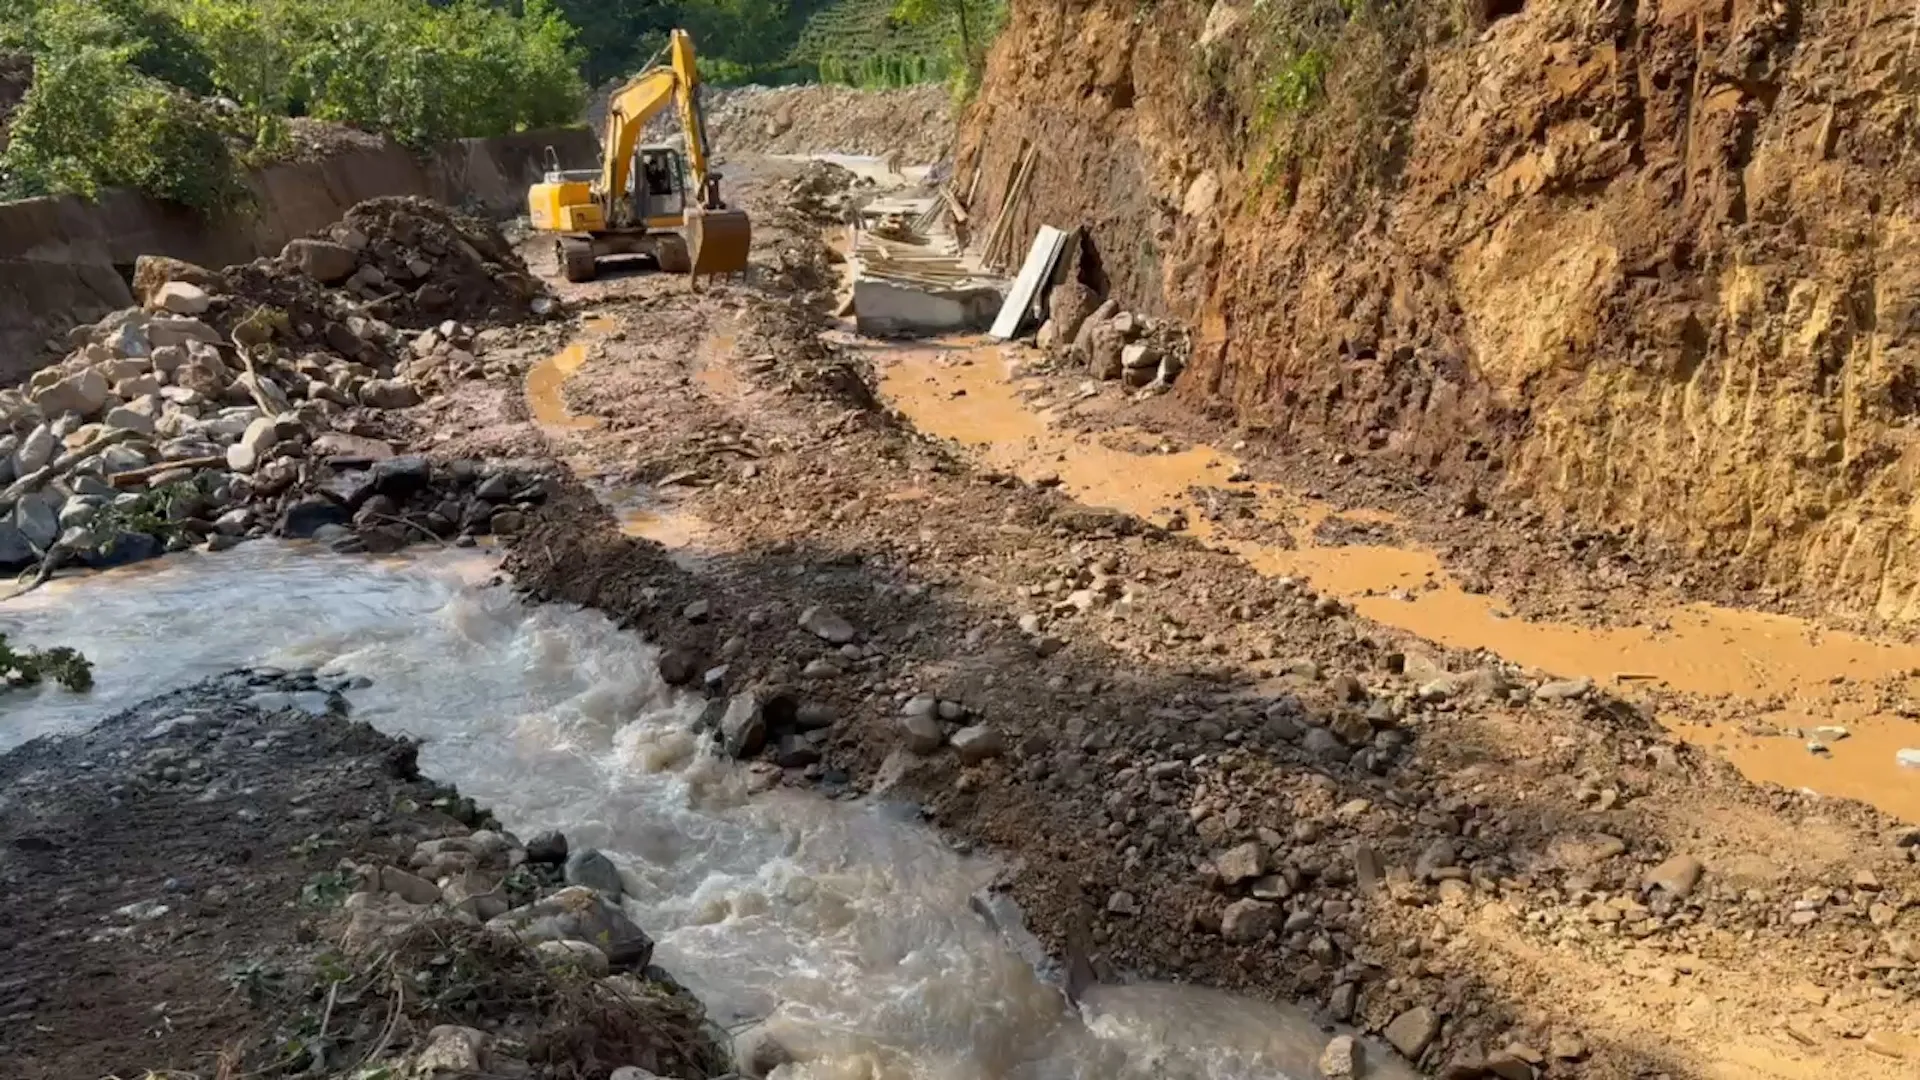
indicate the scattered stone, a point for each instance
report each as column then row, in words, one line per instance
column 1241, row 864
column 303, row 520
column 979, row 743
column 589, row 867
column 1123, row 902
column 389, row 394
column 823, row 623
column 1412, row 1031
column 1339, row 1061
column 1907, row 759
column 35, row 451
column 401, row 477
column 924, row 734
column 1247, row 921
column 1677, row 876
column 696, row 611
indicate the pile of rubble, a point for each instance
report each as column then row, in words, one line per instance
column 823, row 192
column 236, row 403
column 1081, row 332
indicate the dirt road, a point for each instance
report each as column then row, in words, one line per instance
column 1186, row 716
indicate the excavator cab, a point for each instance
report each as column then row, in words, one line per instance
column 659, row 185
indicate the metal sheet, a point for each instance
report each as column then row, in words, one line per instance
column 1034, row 273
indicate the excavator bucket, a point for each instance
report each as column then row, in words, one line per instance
column 718, row 241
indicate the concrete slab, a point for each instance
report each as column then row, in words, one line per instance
column 888, row 308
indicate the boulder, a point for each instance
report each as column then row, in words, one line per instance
column 579, row 913
column 573, row 954
column 401, row 477
column 255, row 444
column 152, row 273
column 37, row 520
column 743, row 727
column 823, row 623
column 16, row 550
column 123, row 548
column 1068, row 307
column 1104, row 352
column 128, row 418
column 35, row 451
column 181, row 298
column 130, row 339
column 922, row 732
column 322, row 260
column 1247, row 921
column 84, row 392
column 589, row 867
column 547, row 847
column 301, row 520
column 978, row 743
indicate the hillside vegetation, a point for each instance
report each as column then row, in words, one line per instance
column 172, row 96
column 176, row 97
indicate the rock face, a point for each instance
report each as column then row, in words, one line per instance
column 1486, row 293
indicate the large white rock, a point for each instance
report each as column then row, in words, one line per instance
column 35, row 450
column 130, row 339
column 180, row 298
column 83, row 393
column 259, row 439
column 129, row 418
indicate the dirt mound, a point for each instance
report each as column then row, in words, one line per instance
column 915, row 122
column 1631, row 263
column 409, row 261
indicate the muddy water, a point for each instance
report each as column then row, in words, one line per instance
column 970, row 394
column 846, row 924
column 546, row 382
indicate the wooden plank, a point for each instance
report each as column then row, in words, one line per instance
column 1034, row 273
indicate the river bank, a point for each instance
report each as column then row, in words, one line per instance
column 236, row 878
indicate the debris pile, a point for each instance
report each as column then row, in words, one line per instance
column 230, row 401
column 823, row 192
column 1142, row 352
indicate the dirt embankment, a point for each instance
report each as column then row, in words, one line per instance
column 1642, row 267
column 915, row 122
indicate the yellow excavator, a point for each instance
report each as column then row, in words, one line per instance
column 644, row 200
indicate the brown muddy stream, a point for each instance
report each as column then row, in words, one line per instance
column 966, row 393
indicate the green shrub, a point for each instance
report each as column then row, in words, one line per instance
column 30, row 667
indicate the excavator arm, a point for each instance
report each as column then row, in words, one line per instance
column 633, row 105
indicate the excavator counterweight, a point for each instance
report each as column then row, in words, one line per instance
column 660, row 201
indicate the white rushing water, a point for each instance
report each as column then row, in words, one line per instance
column 847, row 924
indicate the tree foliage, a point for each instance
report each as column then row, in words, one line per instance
column 122, row 87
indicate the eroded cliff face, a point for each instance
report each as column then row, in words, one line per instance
column 1648, row 265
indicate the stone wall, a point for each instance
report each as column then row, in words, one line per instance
column 64, row 260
